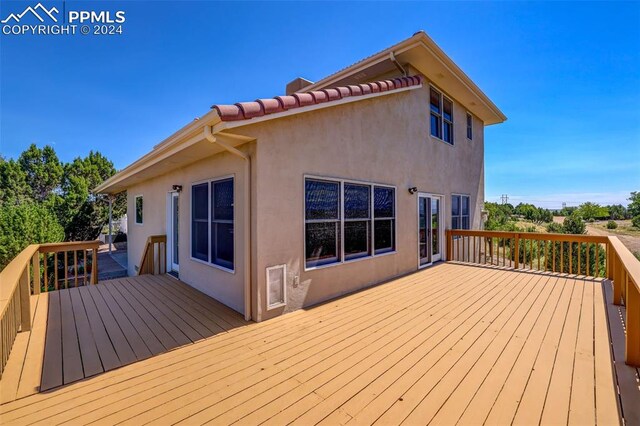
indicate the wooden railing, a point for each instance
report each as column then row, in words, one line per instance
column 582, row 255
column 563, row 253
column 625, row 274
column 37, row 268
column 154, row 256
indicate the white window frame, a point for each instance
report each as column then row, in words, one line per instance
column 209, row 183
column 460, row 215
column 341, row 258
column 469, row 126
column 441, row 115
column 135, row 209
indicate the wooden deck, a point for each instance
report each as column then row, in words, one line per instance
column 449, row 344
column 84, row 331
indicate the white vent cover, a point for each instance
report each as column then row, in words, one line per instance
column 276, row 286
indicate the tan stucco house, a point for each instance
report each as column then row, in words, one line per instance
column 278, row 204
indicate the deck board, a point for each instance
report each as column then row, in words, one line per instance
column 448, row 344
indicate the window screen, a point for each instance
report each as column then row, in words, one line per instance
column 322, row 222
column 384, row 219
column 357, row 225
column 199, row 222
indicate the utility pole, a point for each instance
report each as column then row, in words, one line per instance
column 504, row 198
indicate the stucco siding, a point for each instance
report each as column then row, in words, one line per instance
column 382, row 140
column 224, row 286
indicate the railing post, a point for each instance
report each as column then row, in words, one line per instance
column 618, row 278
column 152, row 259
column 94, row 266
column 25, row 302
column 516, row 257
column 449, row 244
column 632, row 344
column 35, row 267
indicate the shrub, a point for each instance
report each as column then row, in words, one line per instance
column 636, row 221
column 574, row 224
column 612, row 225
column 555, row 228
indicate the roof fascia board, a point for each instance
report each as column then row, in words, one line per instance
column 464, row 79
column 147, row 161
column 158, row 153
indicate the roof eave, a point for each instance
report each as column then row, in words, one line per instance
column 418, row 39
column 158, row 152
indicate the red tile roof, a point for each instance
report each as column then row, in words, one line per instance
column 260, row 107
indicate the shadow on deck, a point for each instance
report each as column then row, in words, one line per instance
column 84, row 331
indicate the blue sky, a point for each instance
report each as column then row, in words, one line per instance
column 566, row 74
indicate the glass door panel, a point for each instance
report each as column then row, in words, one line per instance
column 424, row 230
column 175, row 231
column 435, row 229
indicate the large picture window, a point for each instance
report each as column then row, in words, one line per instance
column 441, row 113
column 460, row 212
column 347, row 220
column 212, row 224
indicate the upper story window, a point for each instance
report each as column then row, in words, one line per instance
column 441, row 115
column 139, row 209
column 460, row 212
column 469, row 127
column 212, row 223
column 347, row 220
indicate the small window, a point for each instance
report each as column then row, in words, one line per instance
column 222, row 223
column 384, row 219
column 441, row 114
column 460, row 212
column 139, row 209
column 212, row 223
column 447, row 121
column 436, row 113
column 469, row 127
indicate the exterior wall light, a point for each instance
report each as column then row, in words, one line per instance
column 413, row 190
column 177, row 188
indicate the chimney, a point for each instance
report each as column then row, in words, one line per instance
column 297, row 85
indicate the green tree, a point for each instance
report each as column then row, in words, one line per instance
column 617, row 212
column 634, row 206
column 13, row 183
column 43, row 171
column 80, row 211
column 24, row 224
column 591, row 211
